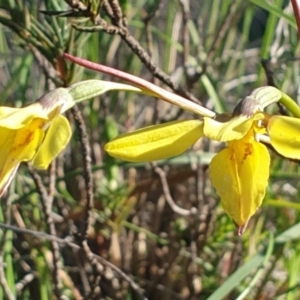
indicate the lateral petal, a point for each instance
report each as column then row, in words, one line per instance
column 156, row 142
column 17, row 146
column 57, row 137
column 284, row 135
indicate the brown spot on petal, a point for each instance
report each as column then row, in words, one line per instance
column 248, row 150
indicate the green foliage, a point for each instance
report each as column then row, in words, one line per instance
column 93, row 227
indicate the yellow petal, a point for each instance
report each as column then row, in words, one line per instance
column 47, row 107
column 233, row 129
column 15, row 118
column 17, row 146
column 284, row 135
column 156, row 142
column 7, row 179
column 6, row 142
column 56, row 139
column 239, row 173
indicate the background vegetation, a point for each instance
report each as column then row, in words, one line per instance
column 92, row 227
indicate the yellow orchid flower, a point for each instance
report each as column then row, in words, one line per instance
column 38, row 132
column 240, row 171
column 34, row 133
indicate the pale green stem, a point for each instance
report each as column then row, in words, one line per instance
column 267, row 95
column 290, row 105
column 90, row 88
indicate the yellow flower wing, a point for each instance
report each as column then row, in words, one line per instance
column 6, row 142
column 7, row 178
column 156, row 142
column 234, row 129
column 15, row 118
column 239, row 173
column 17, row 146
column 57, row 137
column 284, row 134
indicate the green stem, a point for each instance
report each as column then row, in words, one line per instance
column 290, row 105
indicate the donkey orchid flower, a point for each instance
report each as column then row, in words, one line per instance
column 38, row 132
column 240, row 171
column 34, row 133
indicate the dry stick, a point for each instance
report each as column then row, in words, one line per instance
column 153, row 68
column 3, row 282
column 45, row 65
column 270, row 80
column 175, row 208
column 155, row 11
column 24, row 281
column 116, row 12
column 233, row 15
column 185, row 7
column 87, row 173
column 95, row 292
column 103, row 261
column 268, row 270
column 47, row 209
column 168, row 263
column 108, row 10
column 87, row 169
column 268, row 72
column 191, row 269
column 78, row 5
column 190, row 80
column 135, row 46
column 97, row 266
column 149, row 43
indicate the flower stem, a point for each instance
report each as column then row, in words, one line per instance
column 145, row 86
column 290, row 105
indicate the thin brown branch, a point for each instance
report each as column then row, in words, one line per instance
column 47, row 201
column 64, row 242
column 24, row 281
column 185, row 7
column 166, row 190
column 4, row 238
column 135, row 46
column 3, row 283
column 270, row 80
column 116, row 12
column 87, row 169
